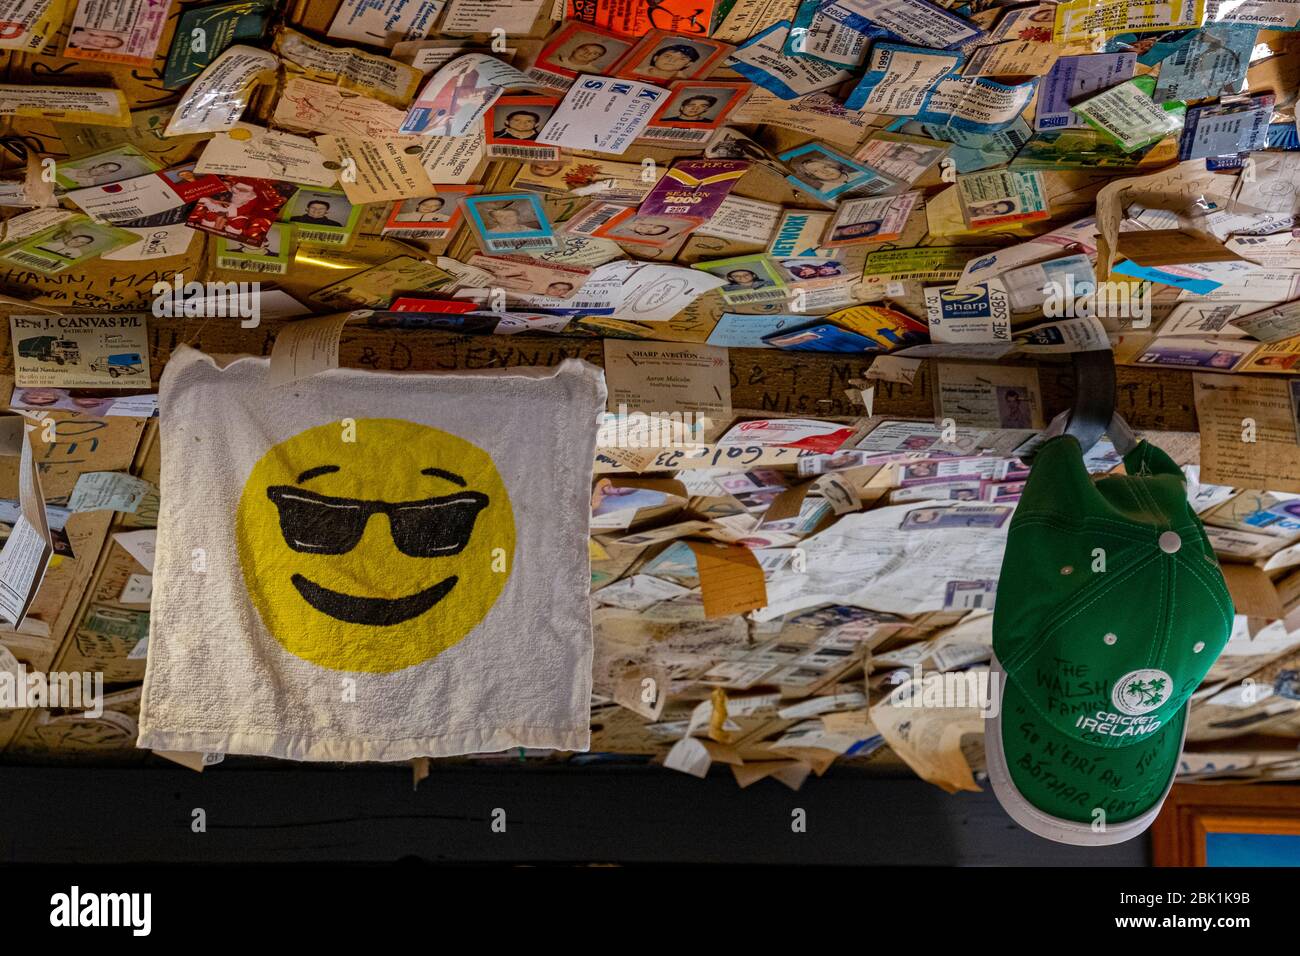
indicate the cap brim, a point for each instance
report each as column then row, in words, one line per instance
column 1151, row 766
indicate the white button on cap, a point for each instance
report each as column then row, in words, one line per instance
column 1170, row 542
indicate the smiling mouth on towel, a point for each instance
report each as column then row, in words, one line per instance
column 378, row 612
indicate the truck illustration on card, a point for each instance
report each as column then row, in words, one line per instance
column 50, row 348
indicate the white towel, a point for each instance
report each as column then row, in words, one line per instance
column 372, row 566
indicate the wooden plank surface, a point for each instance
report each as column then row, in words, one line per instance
column 553, row 813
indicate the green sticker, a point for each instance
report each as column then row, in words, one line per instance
column 1128, row 115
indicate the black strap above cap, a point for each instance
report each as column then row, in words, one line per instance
column 1094, row 396
column 1092, row 412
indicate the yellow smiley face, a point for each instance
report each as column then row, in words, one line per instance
column 378, row 553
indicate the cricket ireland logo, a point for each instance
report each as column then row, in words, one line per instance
column 1140, row 692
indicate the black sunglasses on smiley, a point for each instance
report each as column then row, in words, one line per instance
column 429, row 528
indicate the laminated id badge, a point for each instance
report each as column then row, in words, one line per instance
column 511, row 222
column 428, row 217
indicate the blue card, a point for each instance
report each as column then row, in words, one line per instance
column 821, row 337
column 737, row 330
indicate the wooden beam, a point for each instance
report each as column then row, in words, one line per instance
column 765, row 381
column 762, row 380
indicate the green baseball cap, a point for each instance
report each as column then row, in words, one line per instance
column 1111, row 608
